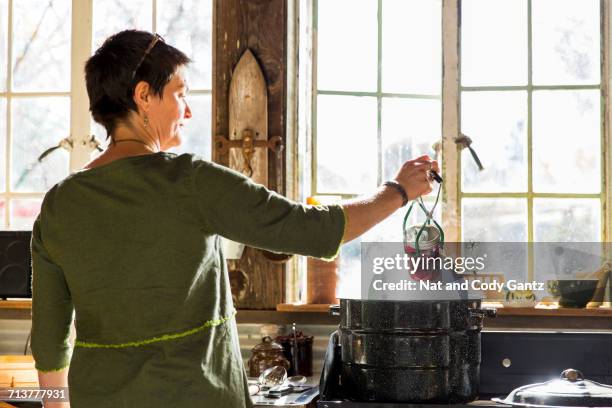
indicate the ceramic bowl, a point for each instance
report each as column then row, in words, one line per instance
column 573, row 292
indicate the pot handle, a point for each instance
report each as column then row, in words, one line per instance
column 572, row 375
column 334, row 310
column 486, row 312
column 490, row 312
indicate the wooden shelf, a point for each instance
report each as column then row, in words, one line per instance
column 554, row 311
column 17, row 371
column 539, row 310
column 16, row 304
column 291, row 307
column 541, row 317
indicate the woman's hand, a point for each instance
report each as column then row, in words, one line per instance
column 414, row 176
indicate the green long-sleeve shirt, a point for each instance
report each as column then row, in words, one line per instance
column 133, row 249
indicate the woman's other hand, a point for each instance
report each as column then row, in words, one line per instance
column 414, row 176
column 54, row 380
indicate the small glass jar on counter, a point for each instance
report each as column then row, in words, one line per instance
column 301, row 360
column 266, row 354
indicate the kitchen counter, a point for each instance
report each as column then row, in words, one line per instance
column 294, row 400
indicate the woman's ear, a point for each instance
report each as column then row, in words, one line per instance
column 142, row 98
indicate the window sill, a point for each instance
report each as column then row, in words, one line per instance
column 540, row 317
column 539, row 310
column 507, row 318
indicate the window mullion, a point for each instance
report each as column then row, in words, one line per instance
column 82, row 21
column 314, row 188
column 606, row 155
column 9, row 82
column 379, row 98
column 530, row 224
column 451, row 205
column 154, row 15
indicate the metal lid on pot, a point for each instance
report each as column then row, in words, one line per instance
column 571, row 390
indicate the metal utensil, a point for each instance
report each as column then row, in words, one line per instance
column 295, row 350
column 280, row 391
column 465, row 142
column 273, row 376
column 296, row 380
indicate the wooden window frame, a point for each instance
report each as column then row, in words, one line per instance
column 451, row 118
column 304, row 153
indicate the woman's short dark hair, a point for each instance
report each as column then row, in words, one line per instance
column 110, row 76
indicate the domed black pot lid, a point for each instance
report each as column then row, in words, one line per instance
column 571, row 390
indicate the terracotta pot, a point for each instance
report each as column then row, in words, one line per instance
column 321, row 281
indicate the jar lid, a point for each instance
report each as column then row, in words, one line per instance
column 429, row 238
column 571, row 390
column 290, row 338
column 268, row 344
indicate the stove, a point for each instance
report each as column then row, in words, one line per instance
column 509, row 359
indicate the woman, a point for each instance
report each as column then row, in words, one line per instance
column 131, row 245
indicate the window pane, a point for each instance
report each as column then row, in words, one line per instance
column 494, row 219
column 3, row 42
column 497, row 124
column 196, row 133
column 2, row 144
column 187, row 24
column 566, row 141
column 412, row 46
column 389, row 230
column 493, row 42
column 346, row 124
column 350, row 267
column 24, row 213
column 568, row 260
column 567, row 220
column 41, row 45
column 566, row 36
column 100, row 133
column 409, row 129
column 38, row 124
column 112, row 16
column 347, row 56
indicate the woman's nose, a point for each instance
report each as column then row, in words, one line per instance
column 187, row 111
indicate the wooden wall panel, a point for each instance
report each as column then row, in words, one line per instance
column 261, row 26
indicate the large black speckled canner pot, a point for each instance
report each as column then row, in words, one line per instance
column 410, row 351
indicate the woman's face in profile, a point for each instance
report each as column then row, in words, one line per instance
column 168, row 114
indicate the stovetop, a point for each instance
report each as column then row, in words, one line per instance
column 483, row 403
